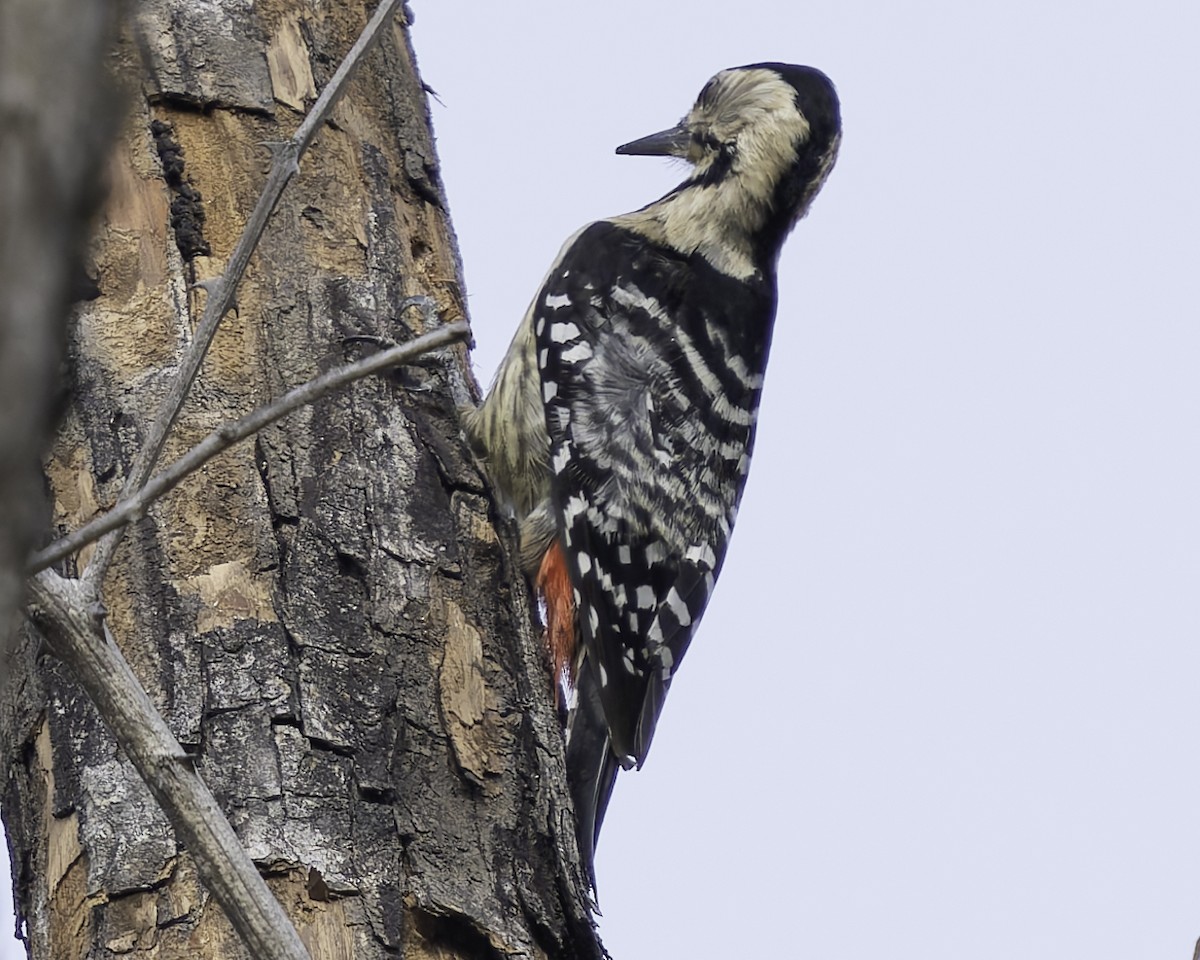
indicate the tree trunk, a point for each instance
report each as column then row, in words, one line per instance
column 326, row 617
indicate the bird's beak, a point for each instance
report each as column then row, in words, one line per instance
column 665, row 143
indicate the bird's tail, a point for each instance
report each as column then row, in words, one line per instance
column 591, row 766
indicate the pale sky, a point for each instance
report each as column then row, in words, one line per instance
column 944, row 702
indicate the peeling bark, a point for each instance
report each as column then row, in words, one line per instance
column 327, row 618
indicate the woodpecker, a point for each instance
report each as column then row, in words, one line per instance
column 621, row 421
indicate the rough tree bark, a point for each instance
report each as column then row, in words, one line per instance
column 326, row 617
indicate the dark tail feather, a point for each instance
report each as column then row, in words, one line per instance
column 656, row 694
column 591, row 767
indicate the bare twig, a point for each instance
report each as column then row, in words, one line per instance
column 221, row 292
column 132, row 507
column 70, row 617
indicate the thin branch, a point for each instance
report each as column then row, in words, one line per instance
column 70, row 617
column 131, row 508
column 221, row 292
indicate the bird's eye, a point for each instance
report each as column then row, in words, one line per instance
column 706, row 139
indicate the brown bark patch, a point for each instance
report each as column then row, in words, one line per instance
column 287, row 61
column 75, row 499
column 135, row 222
column 229, row 592
column 131, row 923
column 464, row 702
column 70, row 912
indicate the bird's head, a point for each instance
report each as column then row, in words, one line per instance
column 768, row 131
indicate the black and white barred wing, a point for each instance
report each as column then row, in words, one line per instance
column 643, row 489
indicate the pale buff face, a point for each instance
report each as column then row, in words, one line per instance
column 752, row 112
column 746, row 132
